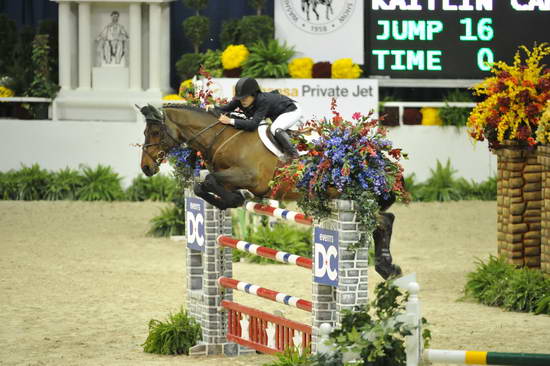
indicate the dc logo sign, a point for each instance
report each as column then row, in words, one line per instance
column 318, row 16
column 194, row 223
column 326, row 257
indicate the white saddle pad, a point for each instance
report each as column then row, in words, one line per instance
column 262, row 132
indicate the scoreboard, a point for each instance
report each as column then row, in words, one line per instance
column 449, row 39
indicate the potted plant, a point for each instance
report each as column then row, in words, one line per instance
column 508, row 119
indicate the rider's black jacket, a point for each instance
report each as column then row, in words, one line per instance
column 266, row 105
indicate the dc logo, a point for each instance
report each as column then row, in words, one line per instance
column 318, row 16
column 194, row 223
column 326, row 257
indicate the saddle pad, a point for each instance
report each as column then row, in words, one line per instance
column 262, row 132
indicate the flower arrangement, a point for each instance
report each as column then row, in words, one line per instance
column 6, row 92
column 186, row 89
column 515, row 98
column 301, row 68
column 353, row 159
column 344, row 68
column 234, row 56
column 543, row 132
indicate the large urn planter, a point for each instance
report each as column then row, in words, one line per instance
column 543, row 153
column 519, row 203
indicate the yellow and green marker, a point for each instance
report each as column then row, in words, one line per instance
column 486, row 358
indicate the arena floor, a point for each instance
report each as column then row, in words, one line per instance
column 80, row 281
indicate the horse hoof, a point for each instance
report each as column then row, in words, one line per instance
column 247, row 195
column 390, row 271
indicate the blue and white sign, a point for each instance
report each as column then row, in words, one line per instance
column 194, row 223
column 326, row 257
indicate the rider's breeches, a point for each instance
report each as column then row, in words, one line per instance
column 288, row 120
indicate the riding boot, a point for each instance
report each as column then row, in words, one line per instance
column 284, row 142
column 382, row 238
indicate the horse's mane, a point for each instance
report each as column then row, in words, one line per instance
column 191, row 107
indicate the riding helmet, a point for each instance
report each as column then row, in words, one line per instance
column 246, row 87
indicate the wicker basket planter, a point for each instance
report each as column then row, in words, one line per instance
column 543, row 153
column 519, row 202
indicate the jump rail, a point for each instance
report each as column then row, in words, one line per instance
column 265, row 293
column 279, row 213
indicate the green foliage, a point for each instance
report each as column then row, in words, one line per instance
column 8, row 30
column 8, row 185
column 175, row 336
column 100, row 184
column 63, row 185
column 254, row 28
column 196, row 28
column 42, row 84
column 171, row 221
column 31, row 182
column 497, row 283
column 230, row 32
column 285, row 237
column 442, row 186
column 258, row 5
column 268, row 60
column 188, row 65
column 197, row 5
column 292, row 357
column 455, row 116
column 156, row 188
column 51, row 28
column 212, row 63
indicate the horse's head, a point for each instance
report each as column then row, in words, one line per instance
column 158, row 141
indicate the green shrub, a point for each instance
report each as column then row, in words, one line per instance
column 196, row 28
column 8, row 185
column 497, row 283
column 253, row 29
column 284, row 237
column 64, row 184
column 455, row 116
column 100, row 184
column 32, row 183
column 171, row 221
column 291, row 357
column 212, row 62
column 188, row 65
column 258, row 5
column 156, row 188
column 230, row 32
column 268, row 60
column 441, row 185
column 175, row 336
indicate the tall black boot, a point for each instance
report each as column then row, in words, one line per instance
column 284, row 142
column 382, row 254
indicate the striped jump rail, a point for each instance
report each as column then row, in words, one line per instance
column 262, row 331
column 265, row 293
column 265, row 252
column 279, row 213
column 486, row 358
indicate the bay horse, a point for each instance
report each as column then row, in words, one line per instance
column 236, row 159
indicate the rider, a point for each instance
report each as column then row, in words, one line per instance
column 256, row 106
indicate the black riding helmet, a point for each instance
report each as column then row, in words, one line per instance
column 246, row 87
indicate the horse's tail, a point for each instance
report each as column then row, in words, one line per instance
column 151, row 113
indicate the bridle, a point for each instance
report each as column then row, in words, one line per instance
column 165, row 149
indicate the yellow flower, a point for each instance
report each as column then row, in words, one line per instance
column 234, row 56
column 6, row 92
column 172, row 97
column 543, row 132
column 430, row 117
column 344, row 68
column 301, row 68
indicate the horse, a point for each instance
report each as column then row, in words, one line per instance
column 236, row 160
column 306, row 4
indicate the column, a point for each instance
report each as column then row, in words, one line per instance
column 165, row 56
column 135, row 46
column 155, row 46
column 65, row 45
column 84, row 47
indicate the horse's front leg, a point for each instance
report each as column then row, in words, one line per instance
column 382, row 239
column 216, row 182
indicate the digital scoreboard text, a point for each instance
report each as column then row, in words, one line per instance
column 451, row 39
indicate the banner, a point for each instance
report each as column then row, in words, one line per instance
column 315, row 95
column 324, row 30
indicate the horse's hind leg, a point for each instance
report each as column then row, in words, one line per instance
column 382, row 239
column 228, row 199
